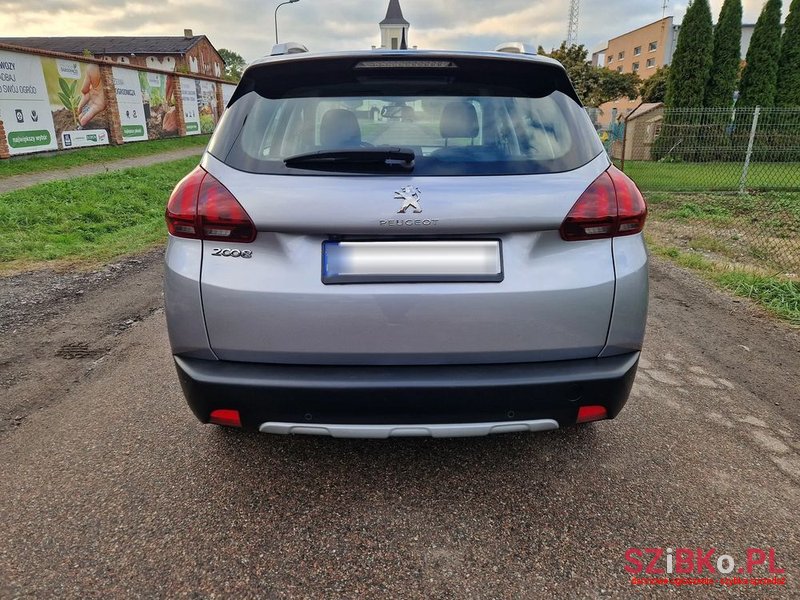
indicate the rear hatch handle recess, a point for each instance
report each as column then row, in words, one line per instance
column 367, row 159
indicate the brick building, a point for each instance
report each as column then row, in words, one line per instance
column 188, row 53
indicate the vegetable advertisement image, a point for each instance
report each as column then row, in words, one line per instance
column 160, row 111
column 207, row 103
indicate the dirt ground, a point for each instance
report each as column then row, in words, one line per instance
column 103, row 463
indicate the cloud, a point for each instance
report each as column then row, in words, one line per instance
column 247, row 27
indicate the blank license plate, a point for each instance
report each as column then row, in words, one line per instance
column 411, row 261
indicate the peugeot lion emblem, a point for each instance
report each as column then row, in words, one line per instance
column 409, row 196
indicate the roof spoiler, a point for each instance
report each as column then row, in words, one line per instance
column 288, row 48
column 515, row 48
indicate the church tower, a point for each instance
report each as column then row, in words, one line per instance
column 394, row 28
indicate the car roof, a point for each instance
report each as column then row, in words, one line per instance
column 407, row 54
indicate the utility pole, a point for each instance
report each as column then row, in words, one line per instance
column 572, row 24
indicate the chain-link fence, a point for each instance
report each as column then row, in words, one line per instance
column 724, row 182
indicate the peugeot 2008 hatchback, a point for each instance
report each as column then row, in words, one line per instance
column 405, row 243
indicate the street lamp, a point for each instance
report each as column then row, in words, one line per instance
column 276, row 16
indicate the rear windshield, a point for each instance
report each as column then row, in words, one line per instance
column 467, row 117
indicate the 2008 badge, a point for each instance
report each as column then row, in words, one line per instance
column 232, row 253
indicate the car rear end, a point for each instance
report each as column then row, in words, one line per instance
column 474, row 267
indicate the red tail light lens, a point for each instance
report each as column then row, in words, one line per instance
column 202, row 208
column 225, row 416
column 587, row 414
column 182, row 206
column 612, row 206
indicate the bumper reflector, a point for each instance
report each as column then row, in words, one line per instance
column 586, row 414
column 225, row 416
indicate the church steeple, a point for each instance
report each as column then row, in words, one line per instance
column 394, row 14
column 394, row 28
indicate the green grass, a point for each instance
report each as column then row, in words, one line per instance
column 37, row 163
column 698, row 177
column 87, row 219
column 781, row 297
column 775, row 213
column 778, row 295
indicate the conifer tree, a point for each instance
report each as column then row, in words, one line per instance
column 726, row 56
column 789, row 63
column 691, row 62
column 760, row 76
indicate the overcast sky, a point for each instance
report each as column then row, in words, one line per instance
column 246, row 26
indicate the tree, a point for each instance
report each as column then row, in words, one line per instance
column 726, row 56
column 760, row 76
column 691, row 63
column 789, row 64
column 234, row 64
column 654, row 88
column 610, row 85
column 594, row 85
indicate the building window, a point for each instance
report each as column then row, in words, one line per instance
column 652, row 47
column 635, row 67
column 637, row 51
column 609, row 59
column 619, row 69
column 651, row 62
column 394, row 44
column 621, row 55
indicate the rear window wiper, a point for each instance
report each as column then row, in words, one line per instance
column 382, row 158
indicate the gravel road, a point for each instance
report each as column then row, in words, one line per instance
column 110, row 488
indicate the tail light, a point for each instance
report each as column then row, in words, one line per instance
column 225, row 416
column 595, row 412
column 612, row 206
column 201, row 208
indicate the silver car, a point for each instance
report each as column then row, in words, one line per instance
column 474, row 267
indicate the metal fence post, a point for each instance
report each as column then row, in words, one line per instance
column 746, row 167
column 624, row 142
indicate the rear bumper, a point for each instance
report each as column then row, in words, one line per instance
column 295, row 398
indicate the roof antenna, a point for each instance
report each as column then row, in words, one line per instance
column 664, row 6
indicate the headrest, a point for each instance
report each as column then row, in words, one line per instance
column 339, row 129
column 459, row 120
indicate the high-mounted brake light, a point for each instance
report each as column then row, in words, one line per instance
column 202, row 208
column 405, row 64
column 612, row 206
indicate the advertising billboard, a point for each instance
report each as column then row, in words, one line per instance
column 24, row 106
column 207, row 103
column 130, row 104
column 158, row 102
column 77, row 102
column 191, row 112
column 227, row 94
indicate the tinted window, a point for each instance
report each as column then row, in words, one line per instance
column 456, row 120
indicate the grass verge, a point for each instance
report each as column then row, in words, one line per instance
column 778, row 295
column 87, row 219
column 38, row 163
column 710, row 176
column 759, row 229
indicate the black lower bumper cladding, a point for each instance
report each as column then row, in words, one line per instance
column 406, row 394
